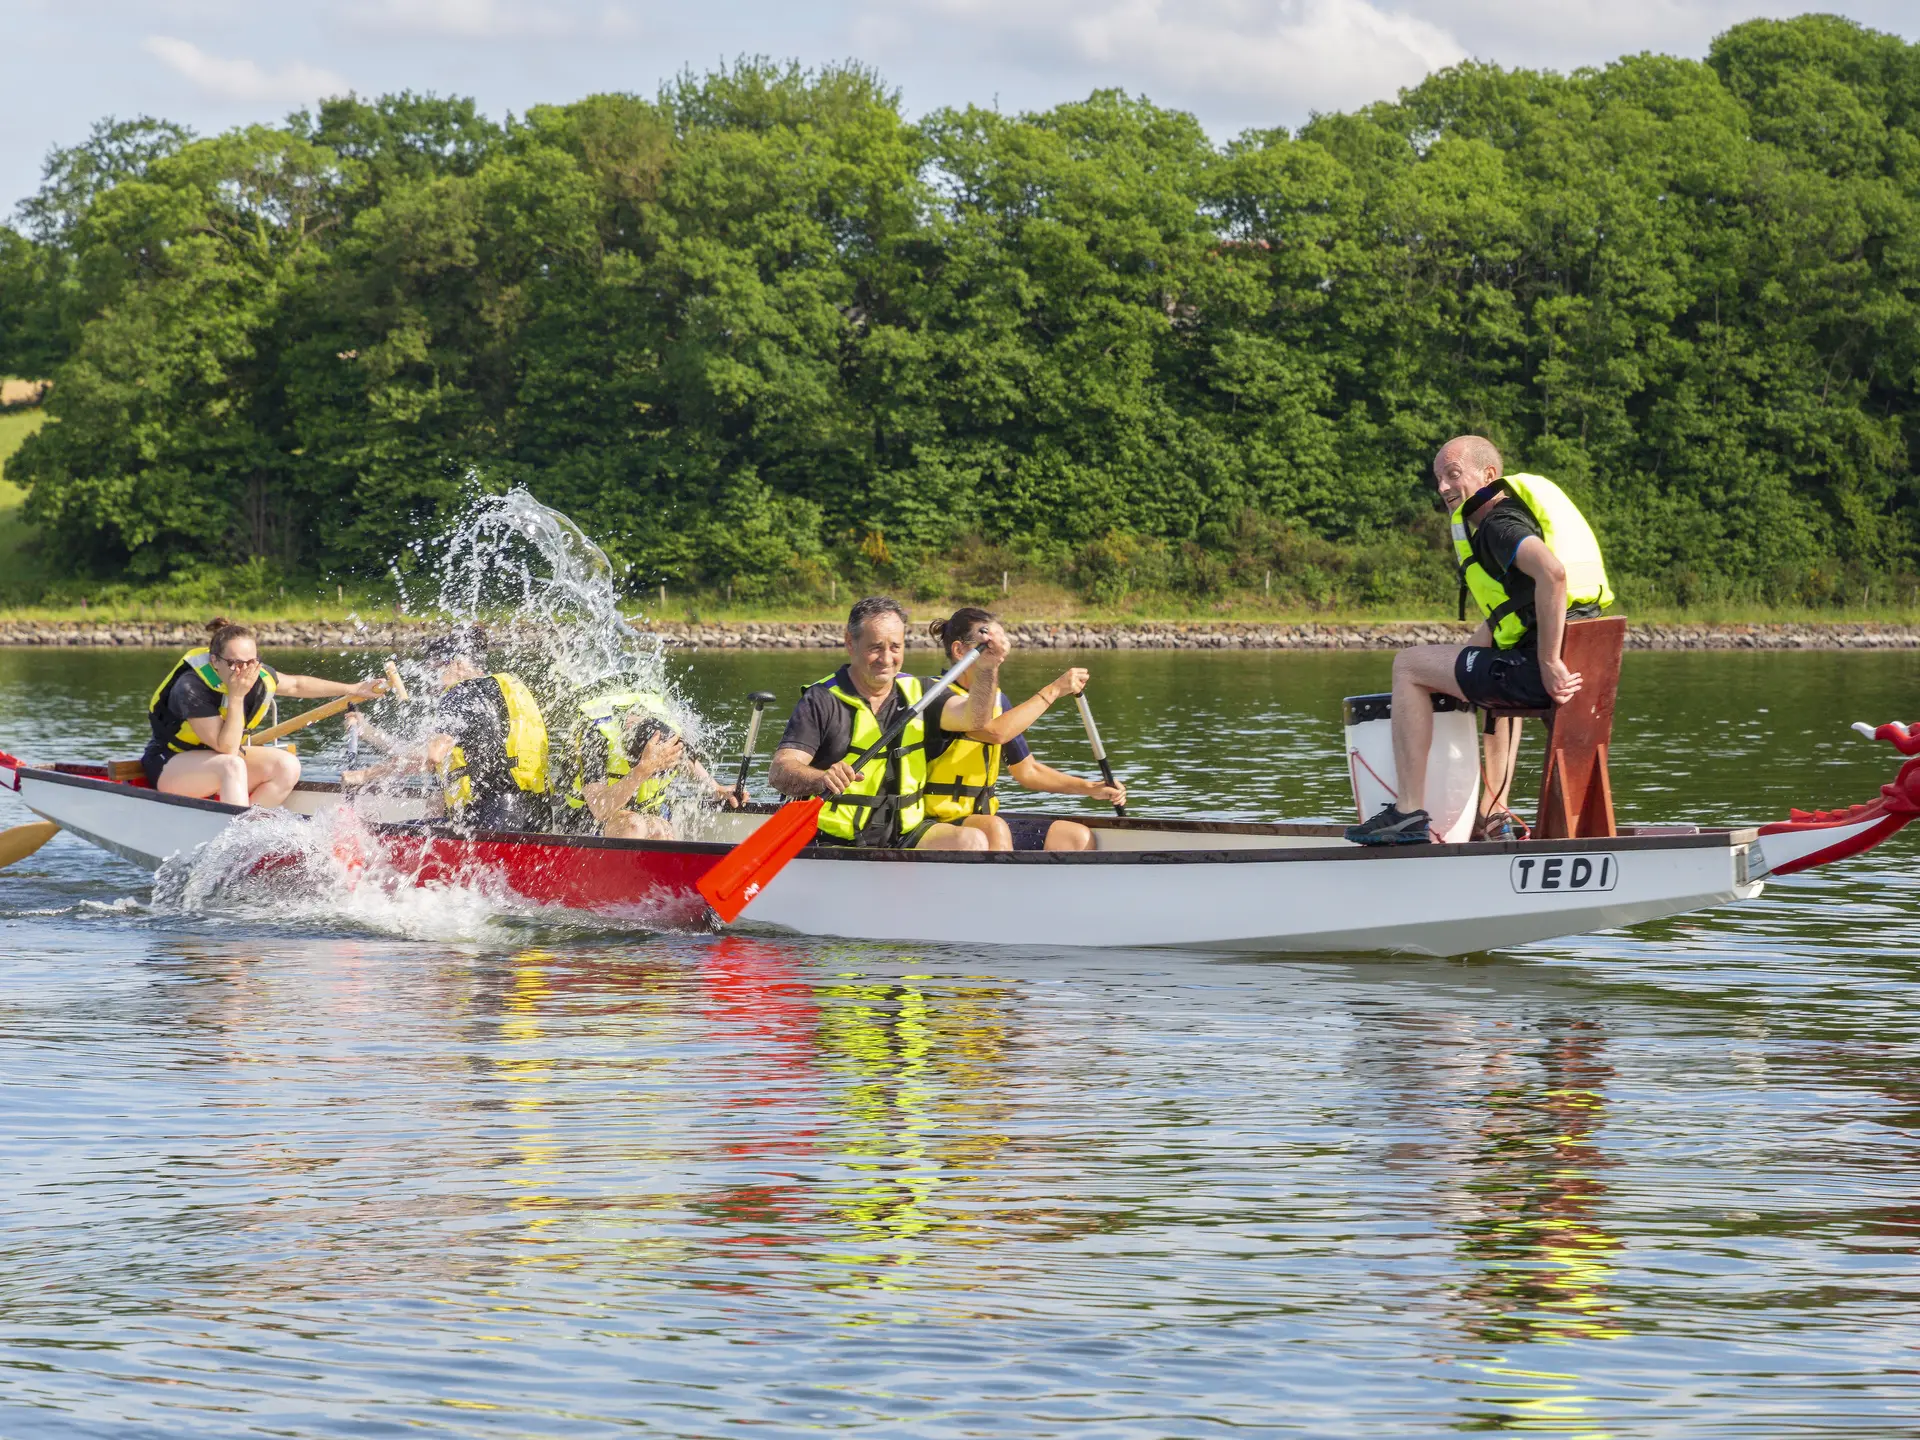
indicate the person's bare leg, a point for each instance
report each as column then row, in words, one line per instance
column 1417, row 674
column 203, row 774
column 271, row 775
column 952, row 837
column 1069, row 835
column 631, row 825
column 999, row 837
column 1502, row 748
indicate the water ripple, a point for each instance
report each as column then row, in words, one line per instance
column 298, row 1173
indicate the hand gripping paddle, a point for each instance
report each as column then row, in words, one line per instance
column 1099, row 750
column 748, row 868
column 393, row 685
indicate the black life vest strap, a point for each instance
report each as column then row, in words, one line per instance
column 1526, row 612
column 964, row 792
column 859, row 802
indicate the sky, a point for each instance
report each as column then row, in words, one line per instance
column 214, row 64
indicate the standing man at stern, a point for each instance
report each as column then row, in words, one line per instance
column 1530, row 560
column 882, row 806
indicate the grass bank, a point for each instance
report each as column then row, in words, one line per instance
column 15, row 535
column 194, row 603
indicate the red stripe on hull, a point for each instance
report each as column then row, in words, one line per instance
column 661, row 882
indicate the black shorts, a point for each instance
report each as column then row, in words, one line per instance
column 1029, row 831
column 1501, row 677
column 508, row 810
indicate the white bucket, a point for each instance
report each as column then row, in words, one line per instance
column 1453, row 765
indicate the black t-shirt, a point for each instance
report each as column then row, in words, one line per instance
column 822, row 725
column 474, row 713
column 1497, row 538
column 1496, row 541
column 190, row 698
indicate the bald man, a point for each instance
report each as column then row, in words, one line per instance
column 1529, row 559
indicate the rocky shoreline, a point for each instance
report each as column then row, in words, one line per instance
column 1036, row 634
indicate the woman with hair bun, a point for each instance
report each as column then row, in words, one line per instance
column 199, row 746
column 963, row 770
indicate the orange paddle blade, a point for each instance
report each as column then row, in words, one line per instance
column 746, row 870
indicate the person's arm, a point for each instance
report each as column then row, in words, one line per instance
column 1032, row 775
column 226, row 733
column 1015, row 721
column 408, row 762
column 722, row 795
column 1550, row 613
column 372, row 733
column 794, row 775
column 312, row 687
column 964, row 714
column 607, row 799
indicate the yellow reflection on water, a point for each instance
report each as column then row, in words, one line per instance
column 1534, row 1240
column 918, row 1117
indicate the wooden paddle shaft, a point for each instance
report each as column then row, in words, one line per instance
column 392, row 685
column 1099, row 750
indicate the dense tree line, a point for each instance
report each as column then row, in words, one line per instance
column 761, row 330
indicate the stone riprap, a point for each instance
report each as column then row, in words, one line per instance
column 1037, row 634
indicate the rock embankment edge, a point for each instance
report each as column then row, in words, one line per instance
column 1036, row 634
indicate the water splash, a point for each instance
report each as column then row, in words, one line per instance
column 318, row 871
column 544, row 591
column 329, row 873
column 546, row 599
column 549, row 604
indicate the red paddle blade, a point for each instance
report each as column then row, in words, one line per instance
column 746, row 870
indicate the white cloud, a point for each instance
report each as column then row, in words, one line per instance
column 485, row 19
column 1244, row 56
column 1564, row 34
column 243, row 81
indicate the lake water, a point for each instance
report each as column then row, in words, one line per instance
column 448, row 1171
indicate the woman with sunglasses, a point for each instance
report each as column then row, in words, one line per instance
column 199, row 746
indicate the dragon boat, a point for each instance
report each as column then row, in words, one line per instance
column 1193, row 884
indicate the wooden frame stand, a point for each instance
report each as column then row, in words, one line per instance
column 1576, row 795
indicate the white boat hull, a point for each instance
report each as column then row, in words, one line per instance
column 1188, row 885
column 1433, row 900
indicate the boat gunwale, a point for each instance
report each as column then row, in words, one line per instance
column 1704, row 838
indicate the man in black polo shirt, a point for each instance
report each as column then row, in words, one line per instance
column 1530, row 560
column 882, row 805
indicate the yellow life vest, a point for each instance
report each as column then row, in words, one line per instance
column 844, row 816
column 961, row 779
column 201, row 663
column 526, row 748
column 1565, row 532
column 608, row 716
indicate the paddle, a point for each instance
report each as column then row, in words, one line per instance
column 761, row 699
column 22, row 840
column 748, row 868
column 391, row 685
column 1099, row 750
